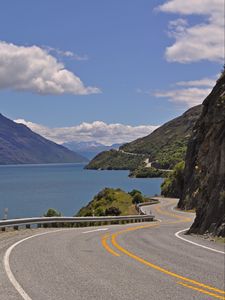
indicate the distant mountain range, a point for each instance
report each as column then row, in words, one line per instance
column 89, row 149
column 20, row 145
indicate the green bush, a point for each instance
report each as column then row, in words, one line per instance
column 112, row 211
column 52, row 213
column 137, row 198
column 133, row 192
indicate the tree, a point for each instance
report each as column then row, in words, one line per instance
column 137, row 198
column 52, row 213
column 99, row 212
column 133, row 192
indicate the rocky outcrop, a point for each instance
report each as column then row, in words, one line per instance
column 204, row 174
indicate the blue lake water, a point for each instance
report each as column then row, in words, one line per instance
column 29, row 190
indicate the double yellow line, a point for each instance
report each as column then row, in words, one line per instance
column 184, row 281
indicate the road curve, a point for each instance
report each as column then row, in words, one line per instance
column 134, row 261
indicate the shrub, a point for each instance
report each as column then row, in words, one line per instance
column 99, row 212
column 52, row 213
column 133, row 192
column 112, row 211
column 137, row 198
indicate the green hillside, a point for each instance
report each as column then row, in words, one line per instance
column 167, row 145
column 115, row 160
column 109, row 202
column 164, row 147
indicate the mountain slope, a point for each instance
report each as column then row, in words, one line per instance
column 20, row 145
column 115, row 160
column 204, row 174
column 165, row 147
column 167, row 144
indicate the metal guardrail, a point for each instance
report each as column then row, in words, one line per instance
column 15, row 223
column 140, row 205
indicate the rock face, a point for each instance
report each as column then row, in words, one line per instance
column 204, row 174
column 20, row 145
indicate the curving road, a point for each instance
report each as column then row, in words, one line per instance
column 133, row 261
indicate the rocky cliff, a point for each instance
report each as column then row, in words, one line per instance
column 204, row 174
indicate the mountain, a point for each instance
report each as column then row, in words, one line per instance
column 115, row 160
column 89, row 149
column 167, row 144
column 164, row 147
column 20, row 145
column 204, row 173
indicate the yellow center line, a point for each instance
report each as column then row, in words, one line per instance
column 106, row 236
column 163, row 212
column 201, row 290
column 158, row 268
column 107, row 247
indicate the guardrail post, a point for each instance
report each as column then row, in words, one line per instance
column 28, row 226
column 16, row 227
column 3, row 228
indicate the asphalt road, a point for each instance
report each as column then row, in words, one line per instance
column 133, row 261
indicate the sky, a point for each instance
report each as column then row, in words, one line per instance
column 109, row 71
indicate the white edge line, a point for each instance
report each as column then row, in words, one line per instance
column 100, row 229
column 196, row 244
column 9, row 273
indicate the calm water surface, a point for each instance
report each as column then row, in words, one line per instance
column 29, row 190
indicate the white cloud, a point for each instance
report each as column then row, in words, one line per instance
column 188, row 97
column 34, row 69
column 203, row 41
column 190, row 93
column 98, row 131
column 205, row 82
column 67, row 53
